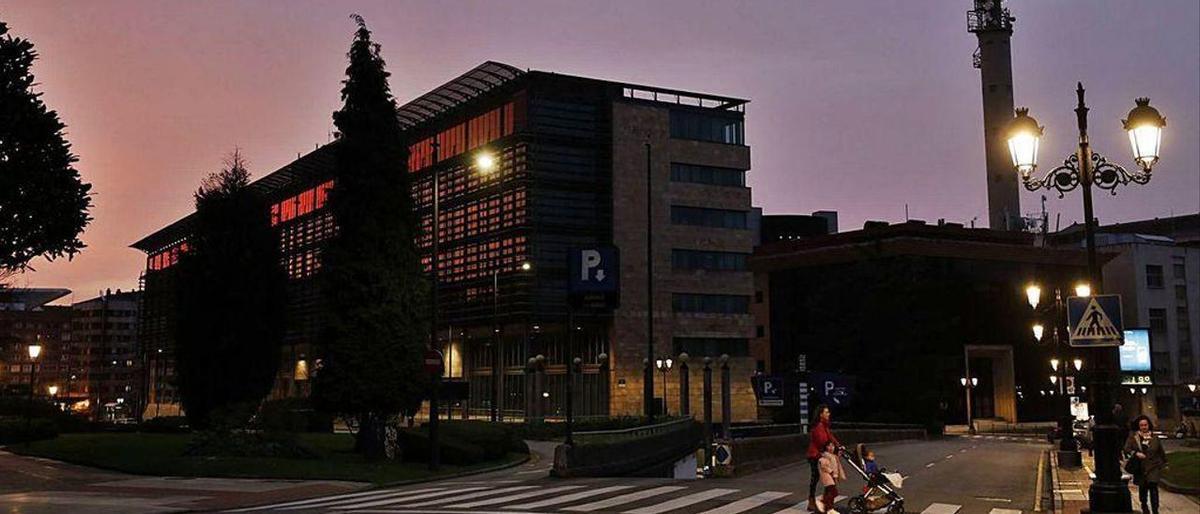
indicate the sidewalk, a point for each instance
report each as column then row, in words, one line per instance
column 1070, row 487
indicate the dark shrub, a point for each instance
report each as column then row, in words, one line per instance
column 19, row 431
column 415, row 444
column 293, row 415
column 496, row 439
column 165, row 425
column 221, row 443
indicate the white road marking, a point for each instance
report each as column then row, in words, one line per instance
column 1004, row 511
column 964, row 450
column 748, row 503
column 803, row 506
column 930, row 465
column 951, row 456
column 941, row 508
column 683, row 501
column 471, row 496
column 624, row 498
column 570, row 497
column 531, row 471
column 991, row 499
column 324, row 499
column 512, row 497
column 396, row 498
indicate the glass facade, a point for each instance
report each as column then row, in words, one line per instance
column 705, row 217
column 708, row 260
column 706, row 126
column 710, row 303
column 711, row 175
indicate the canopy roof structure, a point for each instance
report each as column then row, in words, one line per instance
column 464, row 88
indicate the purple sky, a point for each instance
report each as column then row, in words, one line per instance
column 856, row 106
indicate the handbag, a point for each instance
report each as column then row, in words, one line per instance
column 1133, row 465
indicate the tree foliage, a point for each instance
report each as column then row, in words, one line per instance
column 43, row 202
column 374, row 289
column 230, row 304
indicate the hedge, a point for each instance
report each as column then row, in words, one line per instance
column 20, row 431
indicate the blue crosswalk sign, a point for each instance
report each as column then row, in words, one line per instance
column 1095, row 320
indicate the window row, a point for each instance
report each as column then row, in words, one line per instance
column 167, row 257
column 712, row 175
column 459, row 181
column 298, row 205
column 704, row 217
column 472, row 134
column 491, row 214
column 473, row 261
column 711, row 261
column 710, row 303
column 300, row 235
column 302, row 265
column 703, row 126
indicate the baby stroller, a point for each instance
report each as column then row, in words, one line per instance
column 882, row 490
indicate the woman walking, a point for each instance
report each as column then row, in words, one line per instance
column 819, row 436
column 1146, row 462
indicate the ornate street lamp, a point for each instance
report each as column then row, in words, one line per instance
column 1083, row 290
column 1034, row 294
column 1109, row 492
column 1078, row 364
column 1054, row 364
column 1038, row 329
column 664, row 366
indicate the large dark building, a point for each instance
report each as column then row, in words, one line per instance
column 571, row 160
column 27, row 319
column 104, row 375
column 909, row 309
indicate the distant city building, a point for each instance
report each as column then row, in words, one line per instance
column 905, row 311
column 25, row 319
column 571, row 156
column 793, row 227
column 1155, row 266
column 105, row 377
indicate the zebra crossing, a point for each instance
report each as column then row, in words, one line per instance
column 500, row 498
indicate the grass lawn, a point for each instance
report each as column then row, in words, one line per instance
column 162, row 454
column 1183, row 469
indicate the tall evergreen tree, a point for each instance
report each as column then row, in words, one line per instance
column 230, row 305
column 43, row 203
column 374, row 288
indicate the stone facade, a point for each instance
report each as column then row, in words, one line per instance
column 635, row 124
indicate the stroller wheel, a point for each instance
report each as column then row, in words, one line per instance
column 896, row 508
column 858, row 505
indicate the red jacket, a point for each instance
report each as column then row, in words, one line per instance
column 818, row 438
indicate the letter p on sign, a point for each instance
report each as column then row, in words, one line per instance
column 590, row 259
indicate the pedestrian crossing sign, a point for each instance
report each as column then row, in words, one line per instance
column 1095, row 320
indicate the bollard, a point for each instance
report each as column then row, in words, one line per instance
column 684, row 389
column 726, row 398
column 707, row 412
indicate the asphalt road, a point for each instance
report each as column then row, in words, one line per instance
column 950, row 476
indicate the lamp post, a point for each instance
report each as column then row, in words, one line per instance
column 969, row 384
column 664, row 366
column 1109, row 492
column 485, row 162
column 1068, row 450
column 35, row 350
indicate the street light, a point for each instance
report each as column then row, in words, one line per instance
column 1191, row 387
column 1109, row 492
column 664, row 366
column 1053, row 379
column 1038, row 329
column 1034, row 293
column 35, row 350
column 1083, row 290
column 486, row 162
column 1078, row 364
column 1054, row 364
column 496, row 364
column 973, row 381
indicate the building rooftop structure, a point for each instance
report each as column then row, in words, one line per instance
column 28, row 299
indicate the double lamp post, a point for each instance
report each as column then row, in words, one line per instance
column 1109, row 492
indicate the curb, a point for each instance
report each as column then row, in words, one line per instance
column 1178, row 489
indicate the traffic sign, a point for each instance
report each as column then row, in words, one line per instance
column 832, row 389
column 434, row 365
column 593, row 275
column 769, row 390
column 1095, row 320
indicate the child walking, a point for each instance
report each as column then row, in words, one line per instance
column 831, row 473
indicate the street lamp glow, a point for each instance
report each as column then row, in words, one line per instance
column 1143, row 390
column 1145, row 127
column 974, row 381
column 963, row 381
column 1038, row 329
column 53, row 390
column 1192, row 387
column 1034, row 293
column 1023, row 136
column 1054, row 364
column 1078, row 364
column 526, row 266
column 485, row 162
column 1053, row 379
column 35, row 350
column 1083, row 290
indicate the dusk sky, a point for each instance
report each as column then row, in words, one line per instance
column 856, row 106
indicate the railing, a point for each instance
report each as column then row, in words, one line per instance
column 640, row 431
column 741, row 432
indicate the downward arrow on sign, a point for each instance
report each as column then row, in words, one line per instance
column 599, row 275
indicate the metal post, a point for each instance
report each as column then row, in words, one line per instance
column 1109, row 492
column 570, row 374
column 434, row 445
column 495, row 412
column 29, row 406
column 684, row 392
column 707, row 412
column 726, row 399
column 648, row 373
column 664, row 378
column 969, row 387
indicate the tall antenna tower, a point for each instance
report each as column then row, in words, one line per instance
column 993, row 26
